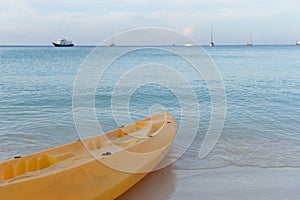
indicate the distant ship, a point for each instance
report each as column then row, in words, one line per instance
column 188, row 44
column 211, row 44
column 298, row 42
column 63, row 43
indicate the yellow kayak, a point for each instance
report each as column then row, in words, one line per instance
column 102, row 167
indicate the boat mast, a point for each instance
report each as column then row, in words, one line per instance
column 211, row 35
column 211, row 44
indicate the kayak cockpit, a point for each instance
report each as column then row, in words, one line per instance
column 53, row 160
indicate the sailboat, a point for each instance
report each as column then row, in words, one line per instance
column 298, row 42
column 250, row 43
column 211, row 44
column 112, row 44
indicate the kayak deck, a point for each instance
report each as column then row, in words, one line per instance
column 154, row 134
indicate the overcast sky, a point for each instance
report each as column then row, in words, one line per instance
column 92, row 21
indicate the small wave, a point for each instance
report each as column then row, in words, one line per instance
column 254, row 151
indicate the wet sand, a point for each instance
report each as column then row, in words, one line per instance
column 157, row 185
column 224, row 183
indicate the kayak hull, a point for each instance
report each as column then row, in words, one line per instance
column 102, row 167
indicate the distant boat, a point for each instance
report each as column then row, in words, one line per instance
column 63, row 43
column 211, row 44
column 111, row 44
column 298, row 42
column 188, row 44
column 250, row 43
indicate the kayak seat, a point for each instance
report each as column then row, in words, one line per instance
column 125, row 141
column 155, row 127
column 24, row 165
column 96, row 143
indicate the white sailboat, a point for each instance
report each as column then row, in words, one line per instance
column 250, row 43
column 211, row 44
column 298, row 42
column 112, row 44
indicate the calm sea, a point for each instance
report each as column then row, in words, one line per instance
column 262, row 93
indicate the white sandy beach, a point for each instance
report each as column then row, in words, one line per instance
column 224, row 183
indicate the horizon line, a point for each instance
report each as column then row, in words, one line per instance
column 101, row 45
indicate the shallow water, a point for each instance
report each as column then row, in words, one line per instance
column 262, row 94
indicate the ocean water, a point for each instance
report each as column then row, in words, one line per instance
column 262, row 101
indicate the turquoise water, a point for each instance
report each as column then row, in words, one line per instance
column 262, row 91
